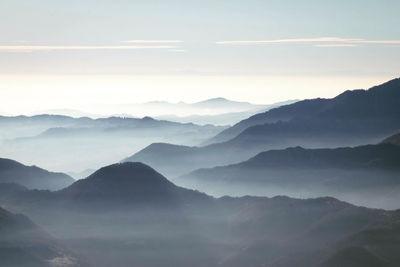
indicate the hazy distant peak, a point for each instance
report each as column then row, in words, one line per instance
column 147, row 118
column 216, row 99
column 222, row 101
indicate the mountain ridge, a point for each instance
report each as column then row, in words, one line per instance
column 311, row 124
column 32, row 177
column 324, row 108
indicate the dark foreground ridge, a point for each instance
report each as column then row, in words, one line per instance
column 129, row 214
column 23, row 244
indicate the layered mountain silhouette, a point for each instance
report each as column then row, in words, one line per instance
column 342, row 172
column 128, row 214
column 352, row 118
column 28, row 126
column 355, row 110
column 32, row 177
column 213, row 106
column 83, row 143
column 23, row 244
column 225, row 118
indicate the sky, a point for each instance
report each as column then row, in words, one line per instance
column 77, row 53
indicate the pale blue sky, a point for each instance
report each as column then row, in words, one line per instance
column 48, row 45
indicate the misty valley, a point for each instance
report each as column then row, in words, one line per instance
column 311, row 182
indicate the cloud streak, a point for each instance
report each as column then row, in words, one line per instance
column 319, row 42
column 336, row 45
column 31, row 48
column 153, row 41
column 177, row 50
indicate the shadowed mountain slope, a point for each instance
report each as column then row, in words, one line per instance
column 378, row 105
column 283, row 231
column 32, row 177
column 381, row 156
column 340, row 172
column 23, row 244
column 378, row 246
column 394, row 139
column 128, row 183
column 144, row 219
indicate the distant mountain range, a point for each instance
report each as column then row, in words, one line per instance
column 220, row 111
column 128, row 214
column 215, row 111
column 353, row 118
column 32, row 177
column 25, row 126
column 228, row 118
column 211, row 106
column 82, row 143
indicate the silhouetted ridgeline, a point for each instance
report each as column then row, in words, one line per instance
column 365, row 108
column 367, row 175
column 352, row 118
column 31, row 176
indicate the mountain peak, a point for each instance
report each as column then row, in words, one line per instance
column 122, row 182
column 217, row 99
column 147, row 118
column 133, row 171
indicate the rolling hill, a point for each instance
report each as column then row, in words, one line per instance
column 350, row 173
column 32, row 177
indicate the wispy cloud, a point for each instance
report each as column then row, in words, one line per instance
column 296, row 40
column 31, row 48
column 320, row 42
column 153, row 41
column 336, row 45
column 177, row 50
